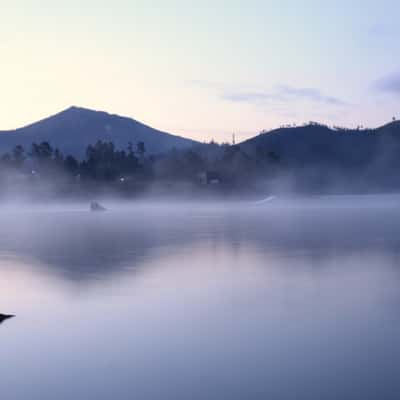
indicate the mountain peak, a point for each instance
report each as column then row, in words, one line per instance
column 74, row 128
column 77, row 109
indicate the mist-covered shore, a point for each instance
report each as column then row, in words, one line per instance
column 312, row 159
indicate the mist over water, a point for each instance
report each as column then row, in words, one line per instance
column 293, row 298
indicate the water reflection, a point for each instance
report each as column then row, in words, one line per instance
column 80, row 246
column 201, row 303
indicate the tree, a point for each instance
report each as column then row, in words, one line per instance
column 18, row 156
column 41, row 152
column 104, row 162
column 140, row 150
column 71, row 165
column 130, row 149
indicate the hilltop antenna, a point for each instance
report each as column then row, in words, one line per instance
column 233, row 139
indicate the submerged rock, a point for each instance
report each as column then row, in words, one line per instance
column 3, row 317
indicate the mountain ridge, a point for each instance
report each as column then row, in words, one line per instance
column 314, row 144
column 73, row 129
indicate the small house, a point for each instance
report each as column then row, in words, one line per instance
column 209, row 178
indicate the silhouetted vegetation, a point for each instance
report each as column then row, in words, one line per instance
column 130, row 170
column 307, row 158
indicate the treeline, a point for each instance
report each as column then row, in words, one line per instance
column 107, row 165
column 103, row 162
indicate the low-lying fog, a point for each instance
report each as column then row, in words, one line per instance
column 277, row 298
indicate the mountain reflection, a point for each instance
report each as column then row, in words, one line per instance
column 80, row 246
column 272, row 302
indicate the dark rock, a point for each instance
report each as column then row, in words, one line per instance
column 3, row 317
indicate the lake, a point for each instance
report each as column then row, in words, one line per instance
column 289, row 299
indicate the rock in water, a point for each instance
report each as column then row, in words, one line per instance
column 3, row 317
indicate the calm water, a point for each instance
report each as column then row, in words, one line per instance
column 285, row 300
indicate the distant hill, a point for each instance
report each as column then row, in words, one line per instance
column 317, row 153
column 73, row 129
column 315, row 144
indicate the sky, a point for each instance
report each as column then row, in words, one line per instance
column 202, row 69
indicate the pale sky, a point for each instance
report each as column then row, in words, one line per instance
column 202, row 69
